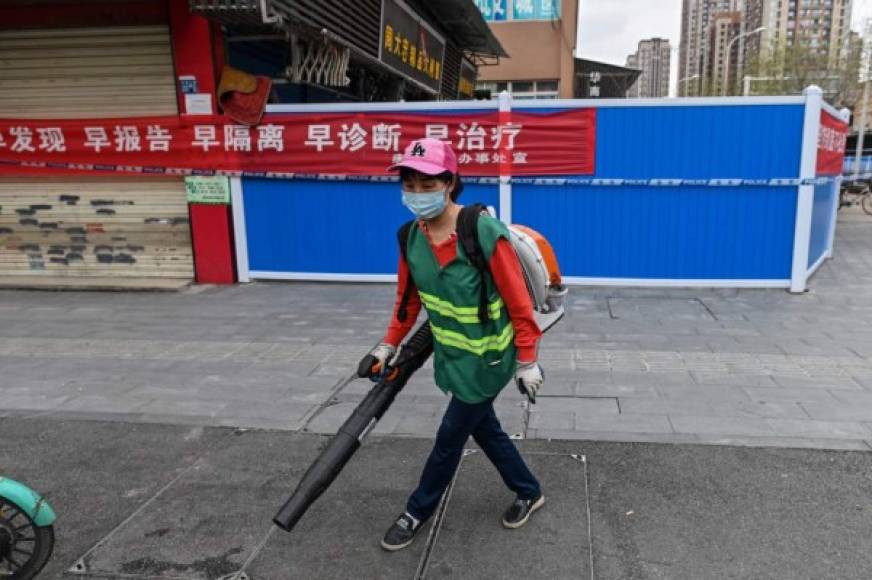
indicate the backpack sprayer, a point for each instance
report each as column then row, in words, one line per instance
column 542, row 277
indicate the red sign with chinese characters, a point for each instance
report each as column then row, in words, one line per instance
column 487, row 143
column 831, row 145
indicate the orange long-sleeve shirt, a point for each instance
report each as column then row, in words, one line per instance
column 506, row 271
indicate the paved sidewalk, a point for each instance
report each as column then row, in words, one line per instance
column 743, row 367
column 172, row 502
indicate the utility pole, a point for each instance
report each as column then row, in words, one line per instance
column 727, row 56
column 865, row 63
column 684, row 80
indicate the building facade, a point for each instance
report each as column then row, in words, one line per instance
column 97, row 60
column 722, row 62
column 823, row 25
column 696, row 18
column 653, row 58
column 119, row 62
column 367, row 50
column 540, row 39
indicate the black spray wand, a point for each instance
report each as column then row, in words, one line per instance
column 412, row 356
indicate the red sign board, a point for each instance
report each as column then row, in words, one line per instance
column 487, row 143
column 831, row 145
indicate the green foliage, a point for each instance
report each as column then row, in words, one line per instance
column 787, row 70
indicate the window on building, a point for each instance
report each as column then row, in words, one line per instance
column 521, row 89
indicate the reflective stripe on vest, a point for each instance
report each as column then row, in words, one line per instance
column 463, row 314
column 477, row 346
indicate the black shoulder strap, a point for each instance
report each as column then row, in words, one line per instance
column 403, row 239
column 467, row 233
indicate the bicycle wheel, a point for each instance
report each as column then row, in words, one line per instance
column 866, row 203
column 24, row 547
column 844, row 198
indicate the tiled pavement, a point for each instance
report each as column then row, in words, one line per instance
column 747, row 367
column 173, row 502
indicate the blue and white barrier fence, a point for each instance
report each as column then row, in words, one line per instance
column 718, row 192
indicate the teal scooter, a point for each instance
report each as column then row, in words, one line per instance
column 26, row 532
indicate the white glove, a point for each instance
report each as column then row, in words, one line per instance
column 384, row 352
column 372, row 368
column 529, row 377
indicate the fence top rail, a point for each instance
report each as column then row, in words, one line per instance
column 831, row 110
column 671, row 102
column 493, row 105
column 400, row 107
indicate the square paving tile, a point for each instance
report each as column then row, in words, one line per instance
column 661, row 308
column 473, row 544
column 339, row 537
column 207, row 522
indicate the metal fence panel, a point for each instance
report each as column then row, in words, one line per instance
column 681, row 233
column 751, row 142
column 330, row 227
column 821, row 220
column 689, row 232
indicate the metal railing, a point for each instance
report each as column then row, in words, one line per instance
column 261, row 8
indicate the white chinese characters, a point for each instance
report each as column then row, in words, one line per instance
column 204, row 137
column 23, row 139
column 51, row 139
column 127, row 139
column 475, row 143
column 319, row 137
column 270, row 137
column 386, row 137
column 158, row 138
column 482, row 142
column 96, row 138
column 237, row 138
column 352, row 138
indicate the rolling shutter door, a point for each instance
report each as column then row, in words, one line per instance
column 97, row 228
column 91, row 227
column 67, row 73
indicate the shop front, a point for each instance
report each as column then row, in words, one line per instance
column 103, row 62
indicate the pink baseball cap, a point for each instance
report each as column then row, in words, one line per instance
column 428, row 155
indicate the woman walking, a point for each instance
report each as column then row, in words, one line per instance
column 473, row 361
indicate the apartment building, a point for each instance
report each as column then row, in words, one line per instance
column 653, row 58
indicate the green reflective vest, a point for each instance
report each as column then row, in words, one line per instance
column 473, row 361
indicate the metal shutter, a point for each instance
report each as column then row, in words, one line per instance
column 90, row 228
column 122, row 71
column 100, row 227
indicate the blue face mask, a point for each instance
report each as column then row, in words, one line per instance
column 425, row 205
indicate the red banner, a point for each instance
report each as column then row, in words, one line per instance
column 487, row 143
column 831, row 145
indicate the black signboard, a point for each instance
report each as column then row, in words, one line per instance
column 466, row 85
column 410, row 46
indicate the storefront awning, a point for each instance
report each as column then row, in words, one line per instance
column 461, row 19
column 467, row 26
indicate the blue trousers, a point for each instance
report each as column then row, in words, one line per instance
column 460, row 421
